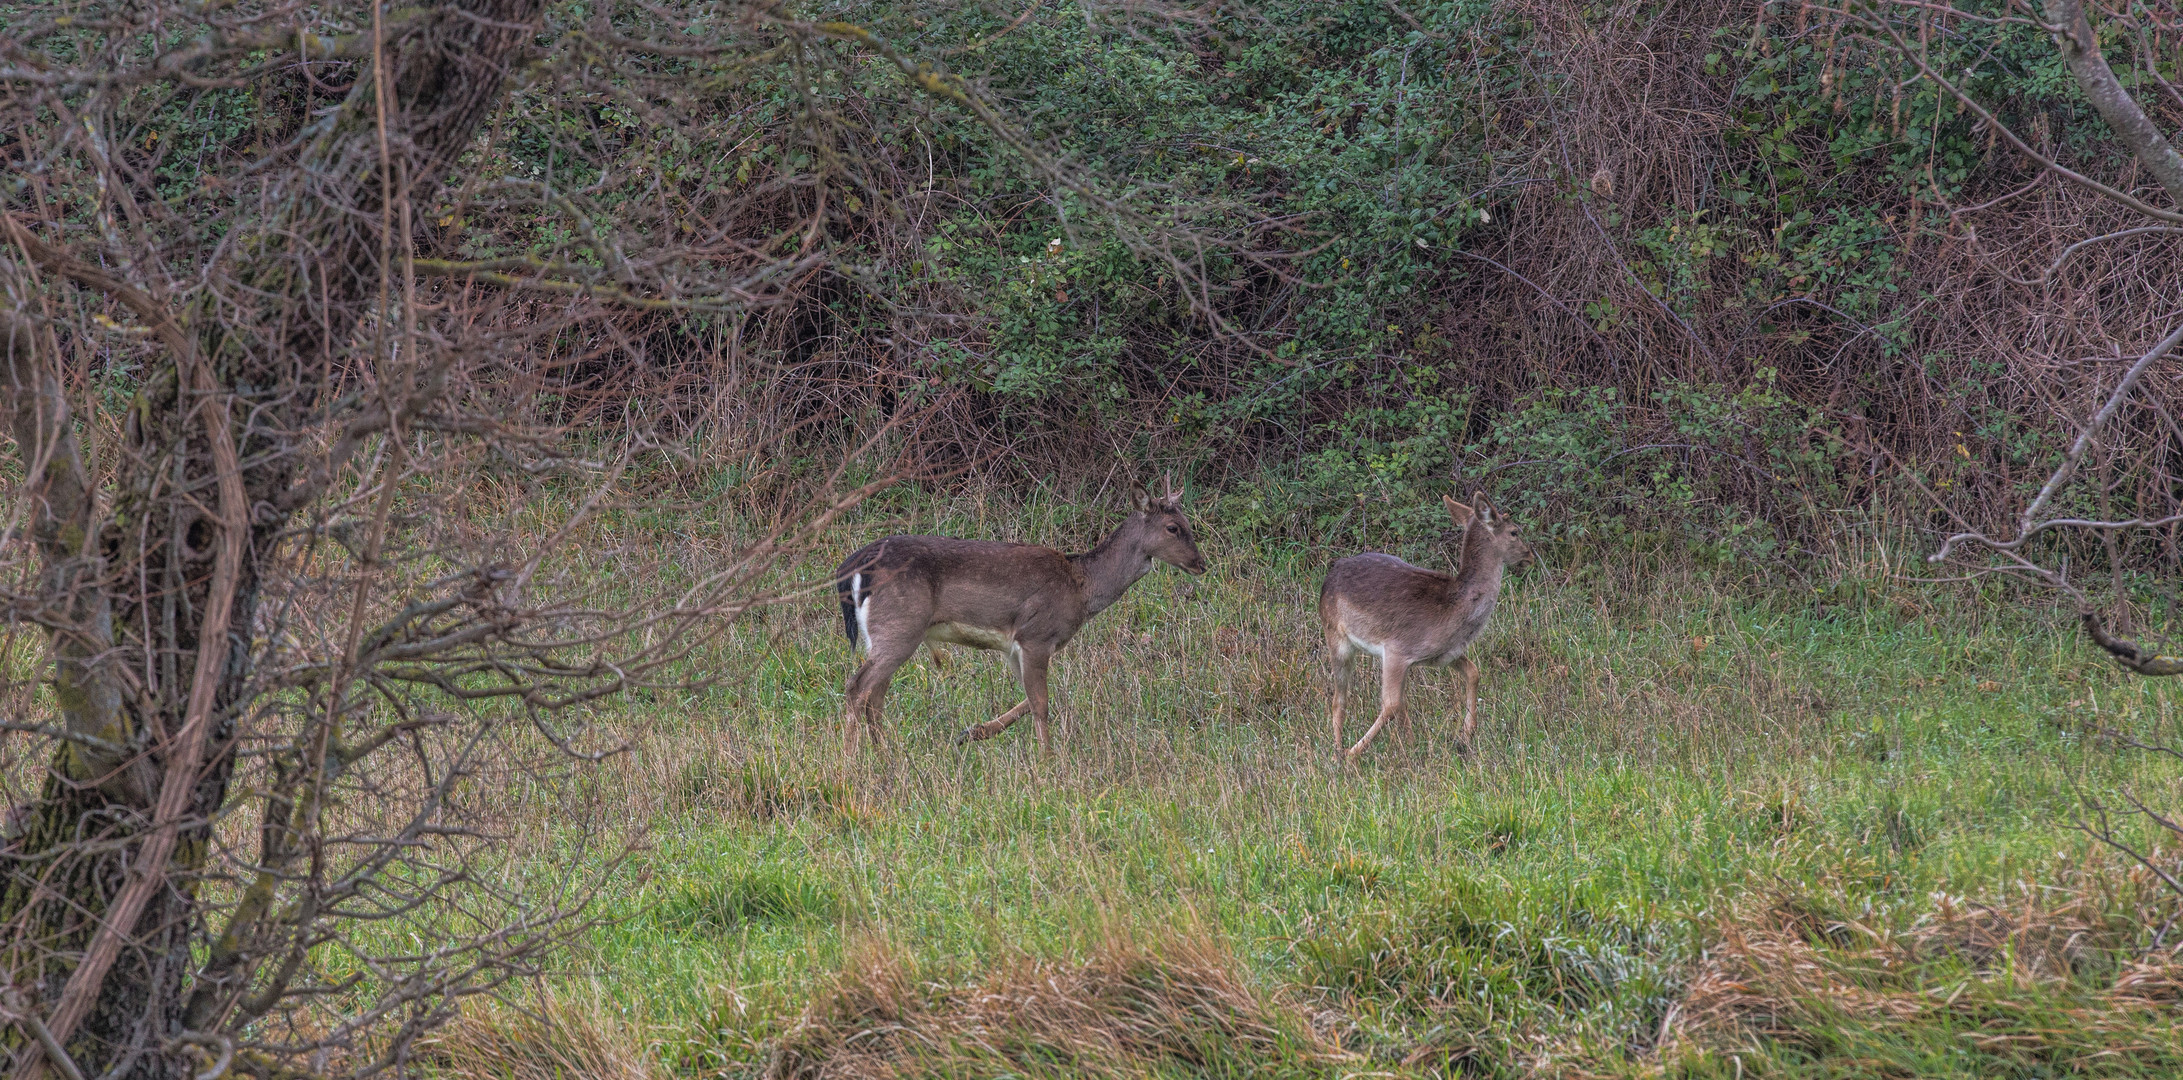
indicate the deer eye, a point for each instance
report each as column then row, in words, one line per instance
column 1173, row 528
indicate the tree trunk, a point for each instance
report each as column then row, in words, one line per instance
column 134, row 593
column 2080, row 49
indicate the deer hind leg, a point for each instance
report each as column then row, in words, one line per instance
column 1469, row 671
column 1393, row 669
column 1341, row 664
column 981, row 732
column 984, row 731
column 867, row 691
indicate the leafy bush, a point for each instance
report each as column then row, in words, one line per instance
column 1348, row 250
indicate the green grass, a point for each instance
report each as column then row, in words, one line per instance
column 1675, row 775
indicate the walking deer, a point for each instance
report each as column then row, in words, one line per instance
column 1023, row 600
column 1408, row 615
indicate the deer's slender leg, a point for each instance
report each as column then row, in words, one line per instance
column 1014, row 657
column 1034, row 691
column 1470, row 700
column 1006, row 720
column 1393, row 667
column 1402, row 734
column 850, row 712
column 940, row 659
column 868, row 687
column 1341, row 664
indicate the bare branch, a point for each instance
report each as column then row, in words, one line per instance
column 2028, row 525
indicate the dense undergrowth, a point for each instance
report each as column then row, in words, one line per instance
column 1708, row 271
column 1714, row 827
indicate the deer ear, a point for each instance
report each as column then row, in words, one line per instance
column 1461, row 513
column 1486, row 513
column 1139, row 498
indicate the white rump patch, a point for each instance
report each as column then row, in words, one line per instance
column 864, row 610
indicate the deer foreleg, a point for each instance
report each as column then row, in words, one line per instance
column 1034, row 691
column 1340, row 667
column 1470, row 701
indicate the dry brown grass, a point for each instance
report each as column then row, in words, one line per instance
column 2057, row 970
column 555, row 1037
column 1133, row 1008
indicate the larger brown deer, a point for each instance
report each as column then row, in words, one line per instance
column 1022, row 600
column 1408, row 615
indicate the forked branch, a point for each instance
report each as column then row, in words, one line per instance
column 2029, row 525
column 2092, row 64
column 2129, row 653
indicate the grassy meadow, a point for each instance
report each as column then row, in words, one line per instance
column 1716, row 825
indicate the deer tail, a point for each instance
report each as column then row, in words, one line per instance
column 848, row 588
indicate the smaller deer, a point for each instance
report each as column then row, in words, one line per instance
column 1408, row 615
column 1023, row 600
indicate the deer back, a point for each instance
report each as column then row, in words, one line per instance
column 1382, row 602
column 906, row 584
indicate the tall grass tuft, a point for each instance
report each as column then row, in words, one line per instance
column 2064, row 977
column 1482, row 978
column 769, row 894
column 1176, row 1005
column 555, row 1036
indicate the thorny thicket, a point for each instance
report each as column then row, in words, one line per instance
column 337, row 340
column 1723, row 270
column 1705, row 197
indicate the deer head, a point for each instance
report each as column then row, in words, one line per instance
column 1487, row 534
column 1160, row 529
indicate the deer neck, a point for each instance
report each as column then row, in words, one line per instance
column 1483, row 578
column 1480, row 575
column 1110, row 569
